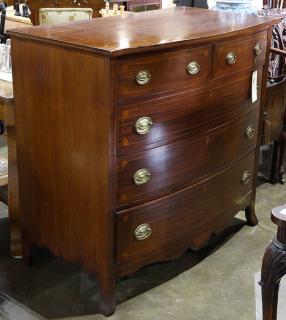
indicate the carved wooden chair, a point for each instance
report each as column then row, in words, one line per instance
column 274, row 265
column 275, row 115
column 56, row 11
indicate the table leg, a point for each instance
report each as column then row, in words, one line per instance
column 273, row 269
column 282, row 143
column 13, row 189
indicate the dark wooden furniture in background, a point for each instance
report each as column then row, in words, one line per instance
column 10, row 193
column 7, row 113
column 36, row 5
column 274, row 124
column 275, row 118
column 275, row 110
column 5, row 108
column 274, row 265
column 154, row 141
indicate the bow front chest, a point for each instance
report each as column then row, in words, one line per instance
column 137, row 136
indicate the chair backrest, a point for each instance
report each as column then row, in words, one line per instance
column 58, row 15
column 275, row 4
column 35, row 7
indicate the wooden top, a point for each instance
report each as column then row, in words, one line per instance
column 151, row 30
column 278, row 215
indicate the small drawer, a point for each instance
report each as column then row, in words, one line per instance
column 163, row 229
column 236, row 55
column 164, row 72
column 150, row 174
column 143, row 126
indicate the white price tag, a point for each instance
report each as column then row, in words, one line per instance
column 254, row 87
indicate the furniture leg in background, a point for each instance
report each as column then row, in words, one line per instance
column 274, row 128
column 274, row 265
column 7, row 111
column 282, row 142
column 13, row 190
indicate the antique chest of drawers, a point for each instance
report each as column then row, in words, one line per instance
column 137, row 137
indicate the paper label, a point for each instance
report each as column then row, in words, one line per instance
column 254, row 87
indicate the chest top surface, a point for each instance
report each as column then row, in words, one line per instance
column 151, row 30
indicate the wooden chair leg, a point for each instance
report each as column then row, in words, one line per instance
column 13, row 195
column 273, row 173
column 273, row 269
column 270, row 301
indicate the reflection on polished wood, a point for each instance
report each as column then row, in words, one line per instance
column 180, row 26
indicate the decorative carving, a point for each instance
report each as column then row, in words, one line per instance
column 276, row 69
column 273, row 269
column 79, row 3
column 274, row 264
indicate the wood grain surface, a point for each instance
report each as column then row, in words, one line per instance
column 76, row 102
column 175, row 224
column 159, row 29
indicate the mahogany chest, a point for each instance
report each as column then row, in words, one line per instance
column 137, row 137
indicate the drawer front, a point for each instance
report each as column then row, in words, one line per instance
column 164, row 72
column 165, row 228
column 236, row 55
column 162, row 170
column 147, row 125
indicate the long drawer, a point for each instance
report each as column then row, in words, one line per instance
column 143, row 126
column 164, row 72
column 162, row 170
column 155, row 230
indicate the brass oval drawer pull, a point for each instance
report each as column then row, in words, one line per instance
column 143, row 77
column 143, row 125
column 143, row 231
column 258, row 49
column 141, row 176
column 245, row 178
column 193, row 68
column 250, row 132
column 231, row 58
